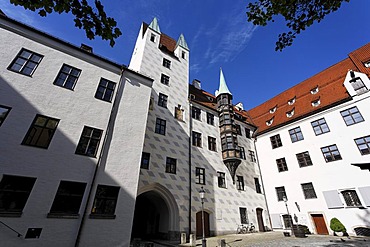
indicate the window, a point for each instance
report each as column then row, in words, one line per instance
column 315, row 90
column 281, row 165
column 296, row 134
column 243, row 216
column 165, row 79
column 26, row 62
column 200, row 175
column 275, row 141
column 160, row 126
column 162, row 100
column 290, row 114
column 68, row 198
column 225, row 119
column 252, row 156
column 4, row 111
column 287, row 218
column 195, row 112
column 152, row 37
column 273, row 110
column 357, row 84
column 89, row 141
column 41, row 132
column 270, row 121
column 221, row 180
column 242, row 153
column 280, row 192
column 331, row 153
column 210, row 118
column 166, row 63
column 304, row 159
column 105, row 90
column 351, row 198
column 14, row 193
column 291, row 101
column 183, row 55
column 67, row 77
column 105, row 200
column 171, row 165
column 316, row 102
column 247, row 133
column 179, row 113
column 145, row 158
column 320, row 126
column 308, row 191
column 212, row 143
column 239, row 182
column 238, row 129
column 197, row 139
column 228, row 142
column 363, row 144
column 258, row 186
column 351, row 116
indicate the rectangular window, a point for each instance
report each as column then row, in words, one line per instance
column 280, row 192
column 363, row 144
column 171, row 165
column 296, row 134
column 41, row 131
column 68, row 198
column 243, row 216
column 212, row 143
column 165, row 79
column 166, row 63
column 252, row 156
column 281, row 165
column 247, row 133
column 320, row 126
column 200, row 175
column 276, row 141
column 160, row 126
column 351, row 116
column 258, row 186
column 304, row 159
column 152, row 37
column 195, row 112
column 358, row 85
column 238, row 129
column 4, row 111
column 239, row 183
column 242, row 153
column 145, row 159
column 331, row 153
column 221, row 180
column 287, row 218
column 351, row 198
column 162, row 100
column 14, row 193
column 308, row 191
column 105, row 90
column 105, row 200
column 67, row 77
column 197, row 139
column 26, row 62
column 210, row 118
column 89, row 141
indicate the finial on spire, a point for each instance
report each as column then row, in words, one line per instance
column 223, row 87
column 154, row 25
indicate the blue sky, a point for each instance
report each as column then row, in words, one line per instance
column 219, row 35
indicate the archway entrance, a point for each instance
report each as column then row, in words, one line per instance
column 261, row 226
column 151, row 218
column 199, row 228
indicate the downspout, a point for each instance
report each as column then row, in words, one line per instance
column 190, row 183
column 93, row 181
column 263, row 187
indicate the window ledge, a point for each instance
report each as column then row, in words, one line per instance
column 11, row 214
column 63, row 216
column 102, row 216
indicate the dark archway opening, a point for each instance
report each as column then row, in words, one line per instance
column 151, row 218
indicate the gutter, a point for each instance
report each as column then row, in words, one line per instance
column 190, row 183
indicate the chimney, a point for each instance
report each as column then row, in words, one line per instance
column 196, row 84
column 240, row 106
column 86, row 48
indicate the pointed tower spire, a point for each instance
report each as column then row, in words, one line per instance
column 154, row 25
column 181, row 42
column 223, row 87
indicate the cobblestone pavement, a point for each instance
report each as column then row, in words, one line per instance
column 277, row 239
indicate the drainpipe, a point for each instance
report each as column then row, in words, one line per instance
column 93, row 180
column 190, row 183
column 263, row 187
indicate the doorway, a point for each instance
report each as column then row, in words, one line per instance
column 199, row 230
column 320, row 224
column 261, row 226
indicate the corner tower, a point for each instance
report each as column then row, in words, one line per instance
column 228, row 133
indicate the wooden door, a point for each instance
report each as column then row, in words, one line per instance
column 199, row 229
column 261, row 226
column 320, row 224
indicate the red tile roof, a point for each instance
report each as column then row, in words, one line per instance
column 331, row 92
column 164, row 40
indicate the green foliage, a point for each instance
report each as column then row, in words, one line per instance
column 94, row 21
column 298, row 14
column 337, row 226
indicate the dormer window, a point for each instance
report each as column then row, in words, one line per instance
column 291, row 101
column 269, row 122
column 290, row 114
column 316, row 103
column 273, row 110
column 152, row 37
column 367, row 64
column 315, row 90
column 357, row 84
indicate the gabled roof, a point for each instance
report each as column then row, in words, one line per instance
column 330, row 92
column 166, row 43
